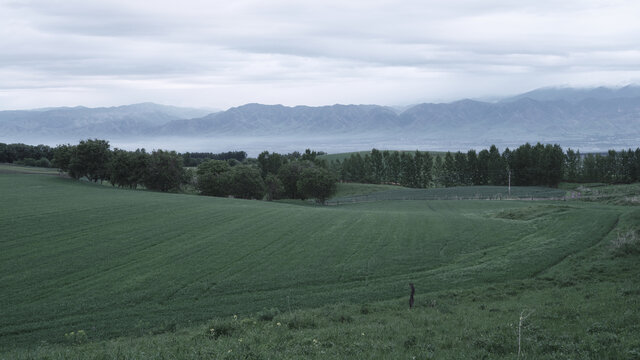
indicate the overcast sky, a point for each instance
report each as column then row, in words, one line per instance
column 220, row 54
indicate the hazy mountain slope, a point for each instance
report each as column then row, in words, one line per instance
column 134, row 119
column 603, row 116
column 258, row 119
column 578, row 94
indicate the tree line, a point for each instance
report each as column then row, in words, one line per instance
column 270, row 176
column 527, row 165
column 305, row 175
column 23, row 154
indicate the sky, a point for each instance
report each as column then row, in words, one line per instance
column 215, row 54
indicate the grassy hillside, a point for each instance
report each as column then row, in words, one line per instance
column 117, row 263
column 367, row 193
column 354, row 189
column 19, row 169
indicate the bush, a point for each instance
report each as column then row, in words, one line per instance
column 317, row 183
column 27, row 162
column 43, row 162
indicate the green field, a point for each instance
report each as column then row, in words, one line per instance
column 148, row 275
column 375, row 193
column 19, row 169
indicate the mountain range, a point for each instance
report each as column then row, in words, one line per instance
column 606, row 116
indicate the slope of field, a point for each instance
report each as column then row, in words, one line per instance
column 19, row 169
column 128, row 263
column 453, row 193
column 344, row 190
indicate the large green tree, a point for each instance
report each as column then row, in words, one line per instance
column 211, row 178
column 165, row 171
column 289, row 174
column 90, row 158
column 244, row 182
column 316, row 183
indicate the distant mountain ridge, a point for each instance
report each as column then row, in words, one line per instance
column 136, row 119
column 578, row 94
column 599, row 115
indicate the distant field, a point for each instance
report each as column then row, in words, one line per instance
column 19, row 169
column 389, row 192
column 125, row 264
column 355, row 189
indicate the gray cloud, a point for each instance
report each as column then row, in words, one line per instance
column 297, row 52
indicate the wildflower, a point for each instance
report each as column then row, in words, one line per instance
column 362, row 334
column 229, row 351
column 235, row 317
column 278, row 323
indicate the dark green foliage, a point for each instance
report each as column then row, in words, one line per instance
column 217, row 178
column 270, row 163
column 312, row 156
column 496, row 167
column 90, row 159
column 538, row 165
column 196, row 158
column 273, row 187
column 449, row 175
column 211, row 180
column 26, row 162
column 43, row 162
column 62, row 156
column 128, row 169
column 409, row 171
column 289, row 174
column 10, row 153
column 316, row 183
column 572, row 165
column 244, row 182
column 165, row 171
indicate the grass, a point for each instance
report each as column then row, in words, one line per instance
column 356, row 189
column 148, row 275
column 20, row 169
column 389, row 193
column 610, row 194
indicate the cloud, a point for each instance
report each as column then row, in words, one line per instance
column 301, row 52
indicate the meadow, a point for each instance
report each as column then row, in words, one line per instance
column 153, row 275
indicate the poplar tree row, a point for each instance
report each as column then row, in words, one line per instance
column 611, row 167
column 528, row 165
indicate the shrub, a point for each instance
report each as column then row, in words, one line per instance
column 43, row 162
